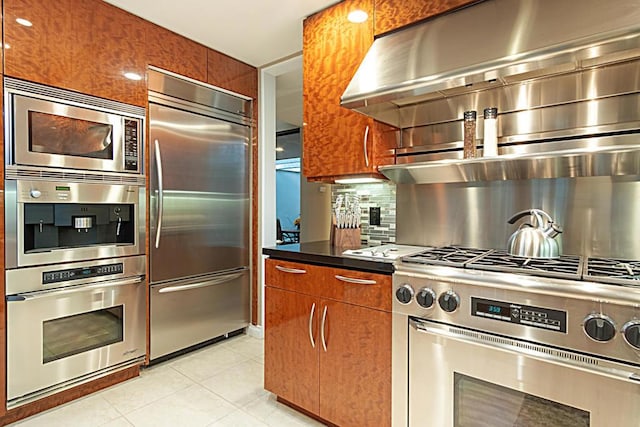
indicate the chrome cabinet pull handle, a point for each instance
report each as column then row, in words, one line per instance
column 324, row 318
column 313, row 309
column 366, row 153
column 160, row 192
column 356, row 281
column 290, row 270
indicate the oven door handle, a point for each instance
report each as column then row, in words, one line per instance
column 160, row 192
column 566, row 358
column 73, row 289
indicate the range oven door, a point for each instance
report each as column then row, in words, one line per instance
column 53, row 222
column 464, row 378
column 55, row 133
column 56, row 338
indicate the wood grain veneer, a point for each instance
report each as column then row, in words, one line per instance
column 255, row 216
column 68, row 395
column 231, row 74
column 173, row 52
column 393, row 14
column 355, row 370
column 307, row 283
column 3, row 306
column 81, row 45
column 291, row 363
column 376, row 296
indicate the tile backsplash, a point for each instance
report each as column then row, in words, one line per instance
column 382, row 195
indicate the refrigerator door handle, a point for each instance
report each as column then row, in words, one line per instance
column 210, row 282
column 160, row 192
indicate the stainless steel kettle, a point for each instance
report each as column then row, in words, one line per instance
column 536, row 240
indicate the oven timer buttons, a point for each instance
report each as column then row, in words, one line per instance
column 449, row 301
column 425, row 298
column 631, row 333
column 599, row 327
column 404, row 293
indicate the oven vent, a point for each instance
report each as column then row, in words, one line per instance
column 29, row 88
column 64, row 175
column 534, row 348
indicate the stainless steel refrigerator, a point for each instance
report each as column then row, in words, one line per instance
column 199, row 141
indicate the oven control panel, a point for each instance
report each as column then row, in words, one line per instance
column 81, row 273
column 131, row 138
column 544, row 318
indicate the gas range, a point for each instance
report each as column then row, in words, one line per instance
column 588, row 305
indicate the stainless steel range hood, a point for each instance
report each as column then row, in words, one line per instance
column 492, row 43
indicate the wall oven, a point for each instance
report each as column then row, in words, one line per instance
column 482, row 341
column 57, row 221
column 50, row 127
column 72, row 322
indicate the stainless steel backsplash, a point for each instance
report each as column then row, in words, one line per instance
column 600, row 215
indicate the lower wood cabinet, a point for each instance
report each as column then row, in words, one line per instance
column 327, row 356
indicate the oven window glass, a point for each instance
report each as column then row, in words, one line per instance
column 49, row 133
column 479, row 404
column 50, row 226
column 66, row 336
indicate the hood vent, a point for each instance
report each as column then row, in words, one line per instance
column 491, row 44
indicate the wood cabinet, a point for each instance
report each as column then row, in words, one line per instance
column 338, row 141
column 328, row 341
column 393, row 14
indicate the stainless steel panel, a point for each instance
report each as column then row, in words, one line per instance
column 30, row 279
column 200, row 95
column 205, row 194
column 27, row 374
column 598, row 214
column 19, row 192
column 528, row 38
column 205, row 308
column 438, row 352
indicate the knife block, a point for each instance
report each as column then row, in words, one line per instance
column 345, row 237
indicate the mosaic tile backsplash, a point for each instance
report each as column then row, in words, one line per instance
column 382, row 195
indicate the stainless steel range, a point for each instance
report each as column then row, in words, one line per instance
column 483, row 338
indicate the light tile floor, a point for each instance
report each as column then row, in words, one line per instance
column 217, row 386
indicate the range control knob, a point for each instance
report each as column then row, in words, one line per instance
column 404, row 293
column 631, row 333
column 35, row 193
column 599, row 327
column 426, row 297
column 449, row 301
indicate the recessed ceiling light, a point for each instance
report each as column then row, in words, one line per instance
column 357, row 16
column 24, row 22
column 279, row 149
column 133, row 76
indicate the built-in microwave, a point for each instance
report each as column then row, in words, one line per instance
column 55, row 128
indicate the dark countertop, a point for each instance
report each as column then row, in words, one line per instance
column 322, row 253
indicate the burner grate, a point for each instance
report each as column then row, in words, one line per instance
column 611, row 270
column 455, row 256
column 565, row 266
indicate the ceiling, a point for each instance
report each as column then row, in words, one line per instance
column 258, row 32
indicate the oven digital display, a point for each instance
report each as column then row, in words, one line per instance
column 62, row 188
column 538, row 317
column 81, row 273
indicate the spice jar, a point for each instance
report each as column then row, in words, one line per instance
column 490, row 140
column 469, row 134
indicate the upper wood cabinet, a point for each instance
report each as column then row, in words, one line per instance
column 338, row 141
column 82, row 45
column 393, row 14
column 231, row 74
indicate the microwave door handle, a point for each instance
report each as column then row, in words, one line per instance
column 160, row 192
column 73, row 289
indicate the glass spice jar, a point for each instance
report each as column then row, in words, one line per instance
column 469, row 134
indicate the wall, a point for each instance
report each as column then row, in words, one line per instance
column 381, row 195
column 315, row 211
column 600, row 215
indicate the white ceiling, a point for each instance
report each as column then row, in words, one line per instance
column 258, row 32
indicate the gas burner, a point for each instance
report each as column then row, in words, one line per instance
column 566, row 266
column 454, row 256
column 617, row 271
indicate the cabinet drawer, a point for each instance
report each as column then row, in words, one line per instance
column 357, row 287
column 292, row 276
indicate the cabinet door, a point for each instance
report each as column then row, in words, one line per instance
column 393, row 14
column 333, row 47
column 355, row 369
column 291, row 347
